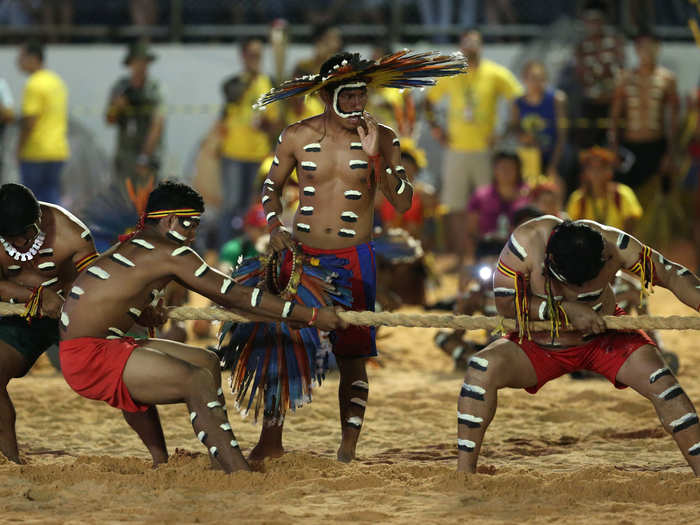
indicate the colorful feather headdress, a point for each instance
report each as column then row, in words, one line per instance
column 401, row 70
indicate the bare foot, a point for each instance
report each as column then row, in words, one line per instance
column 345, row 456
column 159, row 458
column 262, row 451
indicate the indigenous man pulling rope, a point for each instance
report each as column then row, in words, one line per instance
column 100, row 362
column 560, row 272
column 43, row 248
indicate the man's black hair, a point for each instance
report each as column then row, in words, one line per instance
column 171, row 195
column 575, row 252
column 19, row 209
column 34, row 48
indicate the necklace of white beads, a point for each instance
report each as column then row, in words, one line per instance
column 29, row 254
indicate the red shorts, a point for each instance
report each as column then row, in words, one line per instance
column 604, row 354
column 354, row 341
column 93, row 367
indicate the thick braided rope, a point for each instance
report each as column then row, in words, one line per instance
column 467, row 322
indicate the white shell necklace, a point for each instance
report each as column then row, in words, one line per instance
column 29, row 254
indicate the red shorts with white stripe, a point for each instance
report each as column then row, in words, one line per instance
column 604, row 354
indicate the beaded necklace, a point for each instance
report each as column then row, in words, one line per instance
column 29, row 254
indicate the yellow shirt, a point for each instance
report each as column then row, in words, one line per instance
column 311, row 107
column 243, row 140
column 615, row 209
column 473, row 102
column 46, row 98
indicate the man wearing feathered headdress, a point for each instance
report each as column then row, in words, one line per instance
column 342, row 158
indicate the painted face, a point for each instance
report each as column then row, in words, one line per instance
column 187, row 227
column 349, row 101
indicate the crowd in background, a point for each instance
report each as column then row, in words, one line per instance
column 602, row 142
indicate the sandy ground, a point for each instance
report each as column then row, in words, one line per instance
column 578, row 452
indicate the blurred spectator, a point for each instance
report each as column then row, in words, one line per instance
column 42, row 148
column 136, row 107
column 143, row 12
column 645, row 120
column 250, row 243
column 546, row 197
column 599, row 198
column 473, row 103
column 327, row 41
column 599, row 57
column 539, row 119
column 245, row 136
column 7, row 114
column 491, row 208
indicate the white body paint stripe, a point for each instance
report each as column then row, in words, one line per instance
column 399, row 169
column 225, row 426
column 694, row 448
column 77, row 290
column 653, row 377
column 45, row 265
column 201, row 435
column 269, row 182
column 361, row 384
column 254, row 297
column 143, row 244
column 681, row 420
column 213, row 451
column 466, row 443
column 65, row 320
column 620, row 236
column 54, row 281
column 354, row 420
column 14, row 267
column 356, row 162
column 213, row 404
column 220, row 392
column 265, row 198
column 193, row 416
column 135, row 311
column 356, row 144
column 589, row 294
column 234, row 443
column 121, row 258
column 349, row 214
column 402, row 187
column 670, row 389
column 313, row 145
column 303, row 226
column 308, row 164
column 177, row 235
column 541, row 310
column 275, row 160
column 518, row 246
column 85, row 233
column 309, row 189
column 484, row 363
column 348, row 231
column 116, row 330
column 474, row 388
column 181, row 250
column 199, row 271
column 224, row 289
column 46, row 251
column 287, row 308
column 270, row 215
column 469, row 417
column 358, row 401
column 98, row 272
column 353, row 193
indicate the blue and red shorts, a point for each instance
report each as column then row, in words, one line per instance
column 356, row 341
column 604, row 354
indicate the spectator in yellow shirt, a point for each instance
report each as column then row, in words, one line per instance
column 245, row 136
column 599, row 198
column 471, row 118
column 43, row 143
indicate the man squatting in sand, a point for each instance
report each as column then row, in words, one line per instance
column 43, row 249
column 99, row 362
column 342, row 157
column 561, row 272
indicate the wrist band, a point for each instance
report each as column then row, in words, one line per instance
column 314, row 316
